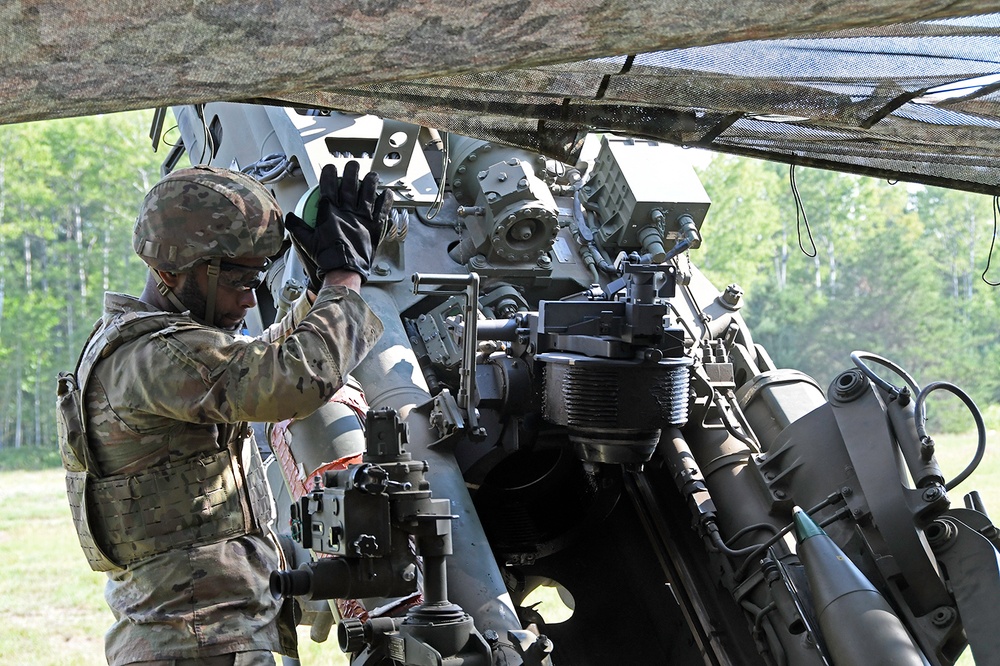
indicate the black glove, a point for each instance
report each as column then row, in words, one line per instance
column 351, row 221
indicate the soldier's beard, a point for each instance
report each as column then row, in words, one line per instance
column 195, row 300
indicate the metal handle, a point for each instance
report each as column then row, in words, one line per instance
column 468, row 395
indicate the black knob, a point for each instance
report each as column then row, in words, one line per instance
column 351, row 635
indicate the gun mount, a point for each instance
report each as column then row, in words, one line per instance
column 375, row 519
column 601, row 421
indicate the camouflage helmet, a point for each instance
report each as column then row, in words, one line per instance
column 200, row 213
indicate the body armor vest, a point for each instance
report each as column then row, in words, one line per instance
column 122, row 519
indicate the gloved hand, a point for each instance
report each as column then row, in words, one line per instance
column 351, row 221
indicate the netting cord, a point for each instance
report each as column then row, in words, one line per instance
column 993, row 242
column 800, row 215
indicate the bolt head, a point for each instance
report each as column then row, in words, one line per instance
column 932, row 493
column 943, row 616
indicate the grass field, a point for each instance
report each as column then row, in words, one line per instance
column 52, row 606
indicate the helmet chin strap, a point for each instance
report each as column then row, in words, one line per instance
column 213, row 284
column 213, row 287
column 167, row 292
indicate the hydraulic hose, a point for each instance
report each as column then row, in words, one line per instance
column 921, row 418
column 858, row 357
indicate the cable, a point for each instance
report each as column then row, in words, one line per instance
column 696, row 337
column 769, row 641
column 799, row 207
column 587, row 234
column 438, row 202
column 263, row 143
column 758, row 550
column 163, row 137
column 721, row 546
column 759, row 618
column 746, row 438
column 456, row 224
column 921, row 422
column 208, row 141
column 273, row 168
column 756, row 527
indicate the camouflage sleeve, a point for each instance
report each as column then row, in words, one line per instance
column 227, row 379
column 280, row 330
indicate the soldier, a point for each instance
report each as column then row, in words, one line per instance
column 164, row 480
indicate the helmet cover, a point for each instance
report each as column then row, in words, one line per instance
column 200, row 213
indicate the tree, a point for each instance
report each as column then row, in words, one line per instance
column 69, row 190
column 743, row 224
column 895, row 270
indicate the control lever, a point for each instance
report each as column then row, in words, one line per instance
column 468, row 395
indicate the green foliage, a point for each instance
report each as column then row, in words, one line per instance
column 896, row 272
column 69, row 190
column 29, row 458
column 743, row 223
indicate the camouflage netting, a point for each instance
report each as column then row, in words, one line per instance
column 914, row 101
column 859, row 99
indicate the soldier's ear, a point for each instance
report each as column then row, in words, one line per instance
column 170, row 279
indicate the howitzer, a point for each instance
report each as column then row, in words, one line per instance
column 599, row 420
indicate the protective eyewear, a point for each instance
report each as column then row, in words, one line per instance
column 242, row 278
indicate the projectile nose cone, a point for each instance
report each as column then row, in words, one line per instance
column 804, row 525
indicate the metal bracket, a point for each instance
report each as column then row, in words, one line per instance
column 864, row 428
column 973, row 566
column 468, row 396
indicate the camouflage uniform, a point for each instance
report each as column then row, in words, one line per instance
column 210, row 599
column 178, row 398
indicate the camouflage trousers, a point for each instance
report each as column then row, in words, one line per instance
column 254, row 658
